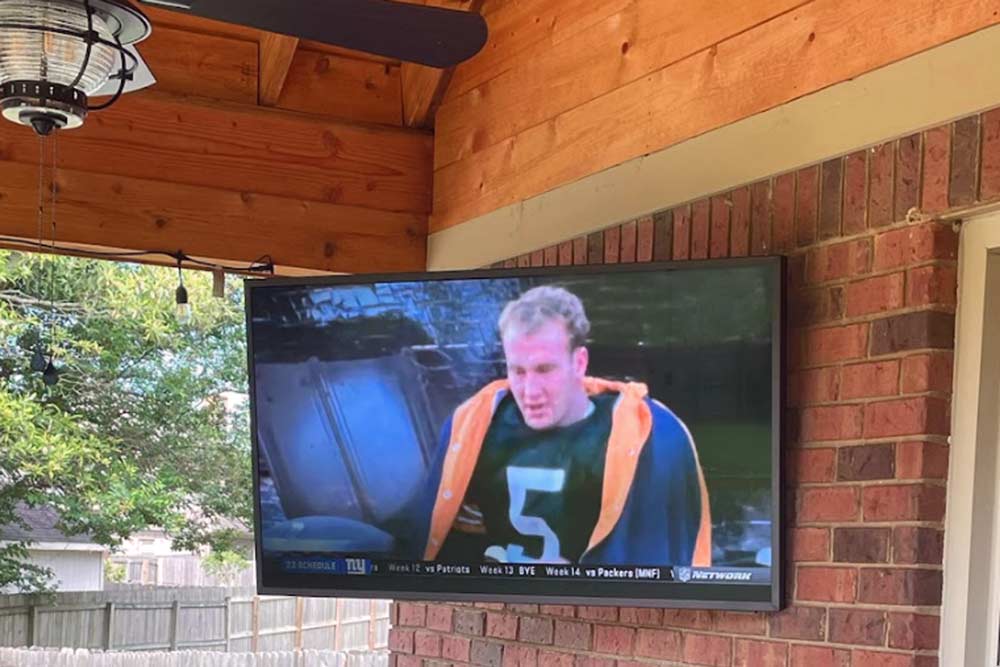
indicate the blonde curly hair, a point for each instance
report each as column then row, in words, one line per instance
column 543, row 304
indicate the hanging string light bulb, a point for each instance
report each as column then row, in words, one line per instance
column 181, row 296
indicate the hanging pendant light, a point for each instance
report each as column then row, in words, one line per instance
column 55, row 54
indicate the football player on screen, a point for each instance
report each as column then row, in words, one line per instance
column 552, row 466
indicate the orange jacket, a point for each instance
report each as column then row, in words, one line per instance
column 632, row 424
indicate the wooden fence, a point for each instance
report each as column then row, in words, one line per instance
column 157, row 619
column 13, row 657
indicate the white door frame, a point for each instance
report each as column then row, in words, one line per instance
column 970, row 615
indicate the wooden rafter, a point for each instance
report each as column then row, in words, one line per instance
column 276, row 54
column 424, row 87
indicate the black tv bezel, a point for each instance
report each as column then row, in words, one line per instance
column 519, row 590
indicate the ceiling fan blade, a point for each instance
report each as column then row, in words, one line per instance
column 142, row 77
column 413, row 33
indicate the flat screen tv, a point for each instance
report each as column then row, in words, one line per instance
column 593, row 435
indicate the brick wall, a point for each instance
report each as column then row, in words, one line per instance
column 871, row 317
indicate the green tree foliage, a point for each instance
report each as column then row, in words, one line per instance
column 148, row 424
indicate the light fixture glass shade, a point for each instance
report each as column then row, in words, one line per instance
column 33, row 55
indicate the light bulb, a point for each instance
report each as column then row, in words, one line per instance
column 183, row 305
column 38, row 362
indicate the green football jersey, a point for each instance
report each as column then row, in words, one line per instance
column 539, row 491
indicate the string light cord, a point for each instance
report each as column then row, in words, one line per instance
column 262, row 265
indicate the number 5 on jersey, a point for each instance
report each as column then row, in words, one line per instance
column 519, row 482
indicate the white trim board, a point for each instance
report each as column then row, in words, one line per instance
column 970, row 615
column 948, row 82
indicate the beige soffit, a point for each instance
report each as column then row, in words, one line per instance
column 939, row 85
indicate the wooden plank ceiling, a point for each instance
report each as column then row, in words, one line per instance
column 250, row 144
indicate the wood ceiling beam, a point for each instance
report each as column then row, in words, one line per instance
column 276, row 54
column 424, row 87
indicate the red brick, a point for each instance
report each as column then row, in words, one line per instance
column 908, row 158
column 682, row 232
column 752, row 653
column 740, row 623
column 831, row 198
column 898, row 586
column 598, row 613
column 688, row 618
column 593, row 661
column 612, row 245
column 580, row 250
column 937, row 157
column 439, row 617
column 855, row 626
column 827, row 584
column 760, row 218
column 641, row 616
column 629, row 240
column 822, row 305
column 838, row 261
column 469, row 621
column 819, row 656
column 521, row 608
column 881, row 659
column 595, row 248
column 564, row 610
column 708, row 650
column 909, row 416
column 645, row 239
column 868, row 380
column 928, row 372
column 810, row 544
column 615, row 639
column 921, row 460
column 565, row 253
column 913, row 331
column 503, row 626
column 487, row 654
column 855, row 192
column 812, row 465
column 658, row 644
column 699, row 229
column 914, row 631
column 910, row 245
column 875, row 295
column 455, row 648
column 411, row 613
column 493, row 606
column 807, row 205
column 989, row 186
column 400, row 640
column 408, row 661
column 538, row 258
column 807, row 623
column 573, row 635
column 833, row 422
column 533, row 630
column 551, row 256
column 861, row 545
column 663, row 237
column 739, row 234
column 554, row 659
column 718, row 235
column 782, row 213
column 880, row 184
column 427, row 644
column 912, row 545
column 964, row 174
column 866, row 462
column 833, row 344
column 817, row 385
column 926, row 661
column 904, row 502
column 833, row 503
column 524, row 261
column 932, row 285
column 515, row 655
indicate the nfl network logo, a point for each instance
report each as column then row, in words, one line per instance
column 683, row 574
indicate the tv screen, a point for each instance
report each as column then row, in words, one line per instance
column 584, row 434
